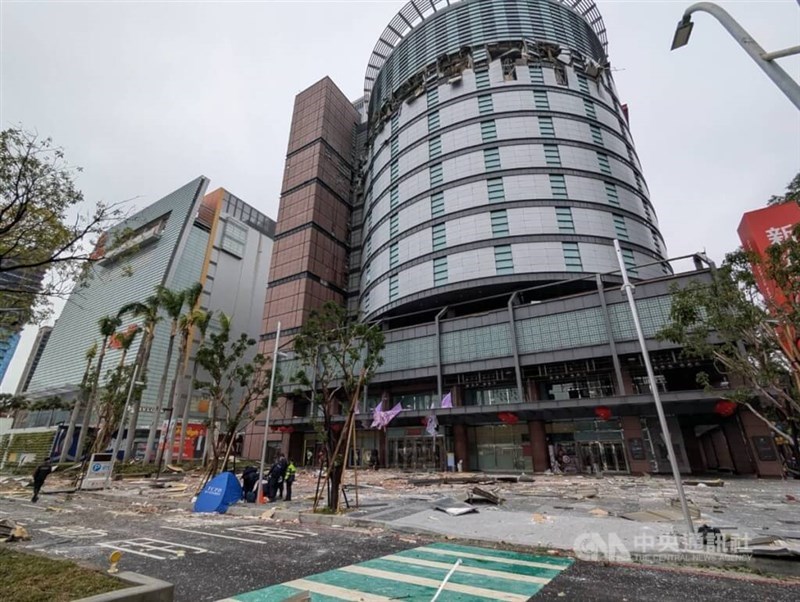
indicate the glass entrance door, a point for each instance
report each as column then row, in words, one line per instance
column 416, row 453
column 603, row 456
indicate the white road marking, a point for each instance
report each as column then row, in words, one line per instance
column 270, row 531
column 261, row 541
column 337, row 592
column 467, row 569
column 4, row 512
column 490, row 558
column 144, row 546
column 74, row 531
column 491, row 594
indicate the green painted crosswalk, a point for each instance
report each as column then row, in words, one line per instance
column 484, row 574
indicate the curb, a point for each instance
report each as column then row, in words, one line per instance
column 145, row 589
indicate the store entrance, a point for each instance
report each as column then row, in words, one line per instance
column 416, row 453
column 603, row 456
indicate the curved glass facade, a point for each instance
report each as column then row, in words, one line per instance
column 505, row 163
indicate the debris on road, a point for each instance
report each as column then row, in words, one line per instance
column 598, row 512
column 453, row 507
column 480, row 495
column 704, row 483
column 12, row 531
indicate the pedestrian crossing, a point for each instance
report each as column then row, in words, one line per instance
column 416, row 574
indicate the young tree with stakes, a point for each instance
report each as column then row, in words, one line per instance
column 172, row 303
column 185, row 329
column 201, row 320
column 149, row 312
column 338, row 357
column 108, row 327
column 237, row 386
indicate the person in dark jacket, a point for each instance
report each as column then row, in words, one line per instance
column 282, row 478
column 275, row 478
column 39, row 476
column 249, row 480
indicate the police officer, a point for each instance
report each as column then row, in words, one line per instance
column 291, row 471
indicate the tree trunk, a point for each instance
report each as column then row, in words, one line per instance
column 143, row 359
column 151, row 435
column 73, row 417
column 87, row 414
column 185, row 416
column 108, row 416
column 177, row 386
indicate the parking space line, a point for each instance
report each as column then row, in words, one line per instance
column 259, row 541
column 269, row 531
column 145, row 546
column 124, row 549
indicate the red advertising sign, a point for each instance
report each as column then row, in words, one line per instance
column 764, row 227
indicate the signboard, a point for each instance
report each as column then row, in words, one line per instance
column 636, row 449
column 194, row 430
column 765, row 449
column 762, row 228
column 98, row 473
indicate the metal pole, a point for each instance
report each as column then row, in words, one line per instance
column 120, row 430
column 515, row 349
column 628, row 288
column 439, row 352
column 269, row 407
column 763, row 59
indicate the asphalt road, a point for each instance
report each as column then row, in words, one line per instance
column 209, row 557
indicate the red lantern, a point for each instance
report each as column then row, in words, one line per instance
column 725, row 408
column 424, row 421
column 336, row 427
column 603, row 412
column 508, row 418
column 290, row 429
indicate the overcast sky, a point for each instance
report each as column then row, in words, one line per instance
column 146, row 96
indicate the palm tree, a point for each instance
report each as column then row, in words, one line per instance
column 111, row 410
column 172, row 303
column 185, row 328
column 202, row 320
column 91, row 353
column 108, row 326
column 148, row 310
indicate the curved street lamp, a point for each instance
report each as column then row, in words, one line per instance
column 765, row 60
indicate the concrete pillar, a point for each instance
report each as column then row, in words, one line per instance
column 757, row 432
column 533, row 390
column 627, row 381
column 740, row 455
column 634, row 440
column 460, row 445
column 538, row 437
column 457, row 395
column 694, row 452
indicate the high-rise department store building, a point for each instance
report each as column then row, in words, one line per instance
column 469, row 202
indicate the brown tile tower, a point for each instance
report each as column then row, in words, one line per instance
column 309, row 258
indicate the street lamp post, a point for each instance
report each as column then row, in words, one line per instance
column 266, row 421
column 765, row 60
column 628, row 288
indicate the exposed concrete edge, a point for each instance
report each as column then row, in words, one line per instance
column 145, row 589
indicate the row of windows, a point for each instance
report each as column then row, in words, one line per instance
column 496, row 194
column 504, row 265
